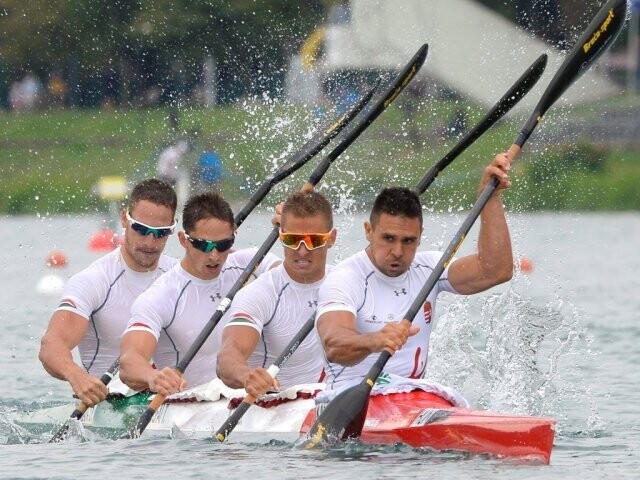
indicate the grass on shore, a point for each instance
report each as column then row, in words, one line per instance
column 51, row 160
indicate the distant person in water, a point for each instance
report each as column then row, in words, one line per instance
column 210, row 169
column 95, row 304
column 170, row 161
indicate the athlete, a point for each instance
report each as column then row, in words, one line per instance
column 95, row 304
column 363, row 299
column 167, row 318
column 266, row 314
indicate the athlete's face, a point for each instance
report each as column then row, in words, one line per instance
column 142, row 252
column 203, row 265
column 302, row 264
column 393, row 242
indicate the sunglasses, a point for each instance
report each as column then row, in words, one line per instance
column 311, row 240
column 207, row 246
column 144, row 229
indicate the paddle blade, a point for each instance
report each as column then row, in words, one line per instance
column 517, row 91
column 342, row 418
column 598, row 36
column 61, row 434
column 145, row 418
column 304, row 154
column 394, row 89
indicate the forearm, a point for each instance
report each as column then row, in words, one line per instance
column 495, row 259
column 136, row 371
column 495, row 255
column 232, row 368
column 347, row 347
column 58, row 361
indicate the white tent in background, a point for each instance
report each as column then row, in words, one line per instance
column 472, row 50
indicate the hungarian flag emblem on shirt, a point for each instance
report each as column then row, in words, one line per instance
column 67, row 302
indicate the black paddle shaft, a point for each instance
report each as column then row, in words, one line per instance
column 368, row 117
column 351, row 404
column 598, row 36
column 231, row 422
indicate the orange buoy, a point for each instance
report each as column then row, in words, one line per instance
column 56, row 259
column 526, row 265
column 104, row 241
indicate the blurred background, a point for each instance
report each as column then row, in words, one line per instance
column 95, row 95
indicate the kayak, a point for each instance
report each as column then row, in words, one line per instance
column 417, row 418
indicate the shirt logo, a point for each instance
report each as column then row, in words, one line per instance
column 215, row 297
column 400, row 292
column 312, row 303
column 373, row 319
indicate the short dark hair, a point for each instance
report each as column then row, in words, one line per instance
column 206, row 205
column 308, row 204
column 396, row 201
column 155, row 191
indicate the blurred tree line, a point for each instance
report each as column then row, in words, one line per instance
column 139, row 51
column 143, row 52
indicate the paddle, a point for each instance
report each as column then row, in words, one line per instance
column 82, row 407
column 368, row 116
column 295, row 162
column 344, row 416
column 519, row 89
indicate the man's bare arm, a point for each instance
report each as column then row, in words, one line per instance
column 64, row 333
column 344, row 345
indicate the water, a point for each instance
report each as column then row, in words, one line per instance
column 561, row 341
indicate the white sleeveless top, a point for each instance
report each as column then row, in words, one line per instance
column 103, row 294
column 178, row 305
column 357, row 286
column 277, row 307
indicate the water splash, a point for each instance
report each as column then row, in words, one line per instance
column 10, row 433
column 510, row 355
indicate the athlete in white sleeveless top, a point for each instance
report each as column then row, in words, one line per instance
column 103, row 294
column 268, row 313
column 276, row 306
column 95, row 304
column 363, row 300
column 176, row 308
column 374, row 299
column 167, row 319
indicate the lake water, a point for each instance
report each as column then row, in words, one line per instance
column 562, row 340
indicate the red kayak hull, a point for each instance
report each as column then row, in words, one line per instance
column 422, row 419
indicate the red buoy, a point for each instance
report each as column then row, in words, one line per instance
column 56, row 259
column 526, row 265
column 104, row 241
